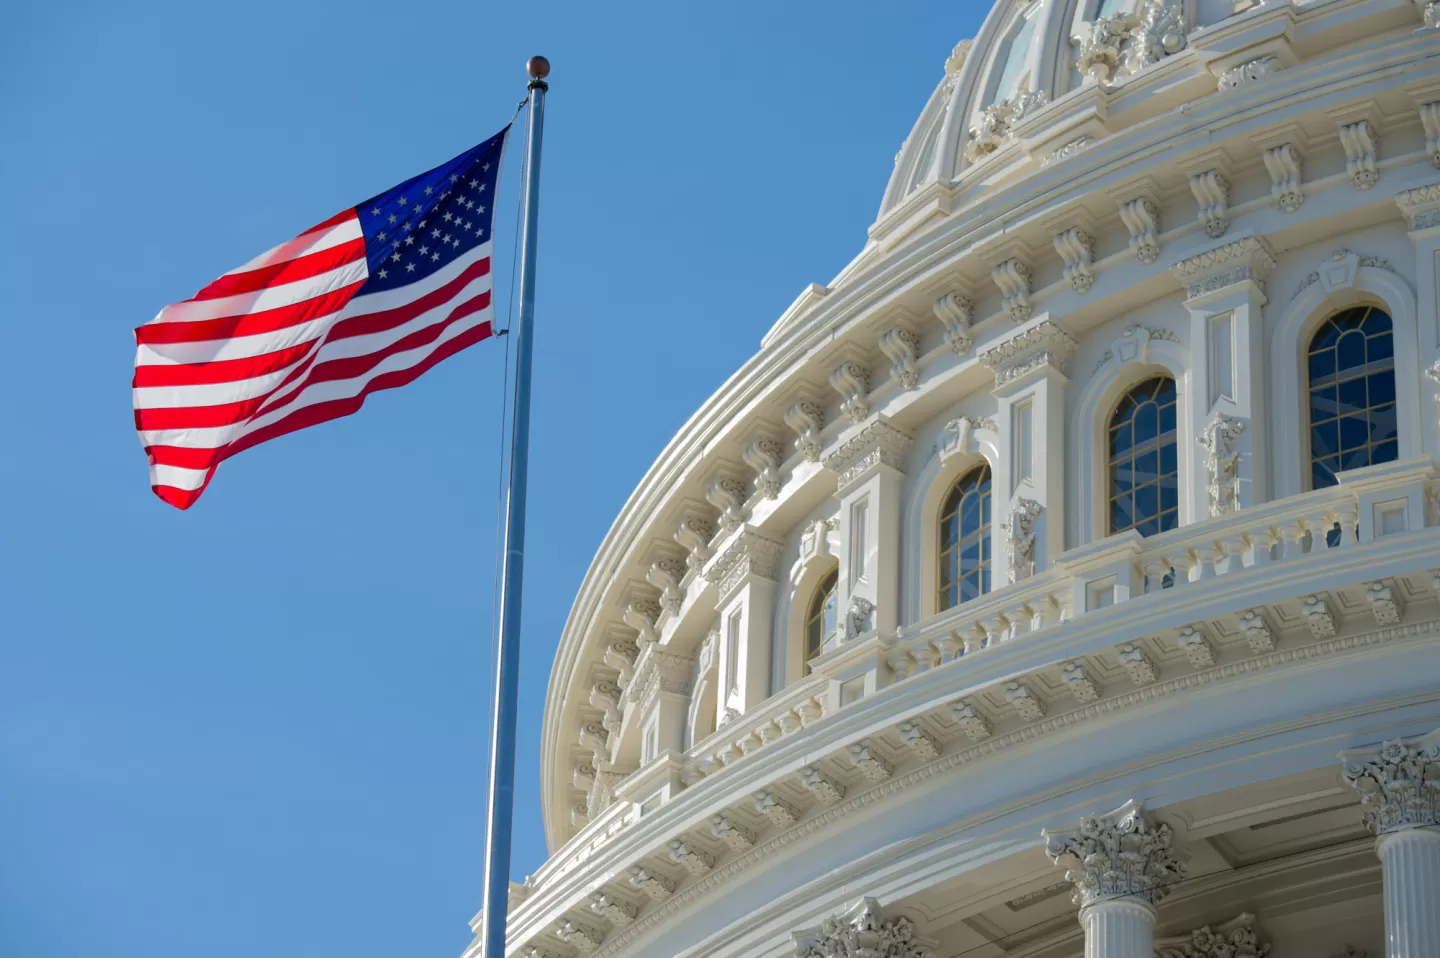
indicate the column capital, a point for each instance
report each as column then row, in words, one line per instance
column 863, row 930
column 1120, row 854
column 1420, row 206
column 747, row 553
column 1247, row 259
column 878, row 442
column 1398, row 782
column 1042, row 345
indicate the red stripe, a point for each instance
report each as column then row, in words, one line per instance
column 198, row 417
column 289, row 271
column 249, row 324
column 335, row 220
column 378, row 322
column 221, row 371
column 309, row 416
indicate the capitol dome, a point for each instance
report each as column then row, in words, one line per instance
column 1064, row 576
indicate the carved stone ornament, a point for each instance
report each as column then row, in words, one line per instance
column 728, row 494
column 1399, row 782
column 1101, row 46
column 1250, row 71
column 996, row 123
column 1044, row 344
column 859, row 618
column 1245, row 259
column 1141, row 217
column 955, row 435
column 1124, row 44
column 695, row 533
column 665, row 574
column 862, row 932
column 1119, row 854
column 878, row 443
column 1013, row 278
column 641, row 614
column 1077, row 248
column 1284, row 166
column 1237, row 938
column 852, row 381
column 1222, row 462
column 954, row 312
column 1078, row 145
column 584, row 938
column 775, row 808
column 1136, row 663
column 1212, row 195
column 1430, row 120
column 619, row 913
column 902, row 348
column 1020, row 538
column 1358, row 141
column 764, row 456
column 807, row 420
column 971, row 721
column 749, row 553
column 1421, row 206
column 1430, row 11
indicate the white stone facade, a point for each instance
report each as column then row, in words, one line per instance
column 1184, row 189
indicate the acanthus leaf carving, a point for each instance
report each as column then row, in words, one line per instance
column 869, row 761
column 971, row 721
column 1212, row 194
column 1421, row 206
column 764, row 456
column 862, row 932
column 775, row 808
column 1236, row 938
column 1077, row 249
column 996, row 123
column 1024, row 701
column 618, row 912
column 920, row 742
column 1196, row 647
column 1082, row 685
column 902, row 348
column 878, row 443
column 1249, row 72
column 1119, row 854
column 1044, row 344
column 852, row 381
column 1136, row 663
column 728, row 494
column 823, row 787
column 1013, row 278
column 641, row 614
column 1123, row 44
column 695, row 534
column 665, row 574
column 955, row 313
column 1398, row 782
column 806, row 419
column 735, row 835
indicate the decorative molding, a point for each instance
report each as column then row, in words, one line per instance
column 1134, row 660
column 871, row 765
column 1237, row 938
column 1359, row 145
column 861, row 932
column 1398, row 782
column 1258, row 633
column 1385, row 605
column 1222, row 462
column 607, row 696
column 877, row 443
column 1044, row 344
column 1013, row 278
column 1283, row 163
column 1196, row 647
column 1123, row 44
column 641, row 614
column 1082, row 685
column 1101, row 47
column 825, row 789
column 1141, row 218
column 955, row 312
column 902, row 348
column 1077, row 248
column 696, row 861
column 749, row 553
column 1318, row 616
column 1248, row 258
column 996, row 123
column 806, row 419
column 728, row 495
column 578, row 935
column 1342, row 275
column 1250, row 71
column 1212, row 193
column 657, row 887
column 618, row 912
column 1430, row 120
column 1430, row 11
column 1024, row 701
column 1119, row 854
column 660, row 670
column 852, row 381
column 858, row 617
column 735, row 836
column 775, row 808
column 921, row 743
column 971, row 721
column 1019, row 531
column 665, row 574
column 764, row 455
column 620, row 655
column 695, row 534
column 1077, row 145
column 955, row 434
column 1421, row 206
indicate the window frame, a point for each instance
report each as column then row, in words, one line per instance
column 1306, row 346
column 1108, row 496
column 983, row 536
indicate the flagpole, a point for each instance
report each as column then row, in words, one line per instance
column 502, row 747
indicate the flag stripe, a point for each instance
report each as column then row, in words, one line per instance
column 291, row 270
column 338, row 229
column 222, row 371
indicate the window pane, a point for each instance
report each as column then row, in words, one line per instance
column 1143, row 482
column 964, row 559
column 1015, row 58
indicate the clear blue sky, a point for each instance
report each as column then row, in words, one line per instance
column 258, row 728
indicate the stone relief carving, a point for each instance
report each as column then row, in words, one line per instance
column 1212, row 193
column 1283, row 163
column 1123, row 44
column 1359, row 145
column 1077, row 248
column 695, row 534
column 852, row 381
column 1421, row 206
column 879, row 443
column 1248, row 258
column 1222, row 462
column 1399, row 782
column 1237, row 938
column 764, row 456
column 858, row 617
column 665, row 574
column 862, row 932
column 728, row 494
column 1339, row 256
column 902, row 348
column 1249, row 72
column 954, row 312
column 1119, row 854
column 1077, row 145
column 1141, row 217
column 996, row 123
column 955, row 435
column 1044, row 344
column 807, row 420
column 1430, row 120
column 1013, row 279
column 1020, row 538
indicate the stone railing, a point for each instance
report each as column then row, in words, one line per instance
column 798, row 706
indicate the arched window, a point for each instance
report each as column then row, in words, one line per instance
column 1144, row 473
column 1017, row 56
column 1352, row 394
column 822, row 616
column 964, row 567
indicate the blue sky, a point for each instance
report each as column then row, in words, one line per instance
column 259, row 727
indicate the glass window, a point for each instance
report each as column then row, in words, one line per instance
column 1111, row 7
column 1017, row 56
column 965, row 540
column 821, row 618
column 1144, row 491
column 1352, row 394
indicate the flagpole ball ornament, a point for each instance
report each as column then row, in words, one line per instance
column 538, row 68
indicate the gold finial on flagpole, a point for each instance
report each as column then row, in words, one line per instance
column 538, row 68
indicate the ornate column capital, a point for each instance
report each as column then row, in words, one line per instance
column 1420, row 206
column 1246, row 259
column 1236, row 938
column 1119, row 854
column 1398, row 782
column 747, row 553
column 877, row 443
column 1044, row 344
column 863, row 930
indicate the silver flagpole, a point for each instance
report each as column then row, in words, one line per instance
column 502, row 747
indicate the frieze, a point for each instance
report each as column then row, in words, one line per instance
column 1248, row 258
column 876, row 443
column 1044, row 344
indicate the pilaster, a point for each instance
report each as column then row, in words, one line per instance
column 1031, row 374
column 743, row 573
column 1225, row 294
column 1421, row 208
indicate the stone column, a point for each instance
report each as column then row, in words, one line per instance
column 1421, row 209
column 1399, row 786
column 1124, row 866
column 1029, row 482
column 1225, row 291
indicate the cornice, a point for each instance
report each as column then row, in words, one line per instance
column 1247, row 258
column 979, row 219
column 1044, row 344
column 877, row 442
column 747, row 553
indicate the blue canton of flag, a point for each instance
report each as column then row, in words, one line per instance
column 432, row 219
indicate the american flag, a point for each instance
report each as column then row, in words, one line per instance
column 367, row 300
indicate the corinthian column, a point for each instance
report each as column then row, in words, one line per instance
column 1124, row 866
column 1399, row 786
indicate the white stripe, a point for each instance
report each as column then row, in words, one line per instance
column 304, row 244
column 176, row 476
column 215, row 394
column 216, row 436
column 400, row 295
column 272, row 297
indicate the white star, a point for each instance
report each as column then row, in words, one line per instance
column 393, row 217
column 473, row 184
column 395, row 257
column 435, row 234
column 455, row 243
column 405, row 227
column 435, row 256
column 403, row 201
column 448, row 217
column 480, row 209
column 409, row 267
column 375, row 211
column 429, row 190
column 383, row 274
column 482, row 188
column 486, row 168
column 424, row 250
column 409, row 241
column 467, row 224
column 469, row 204
column 380, row 235
column 454, row 177
column 446, row 239
column 422, row 224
